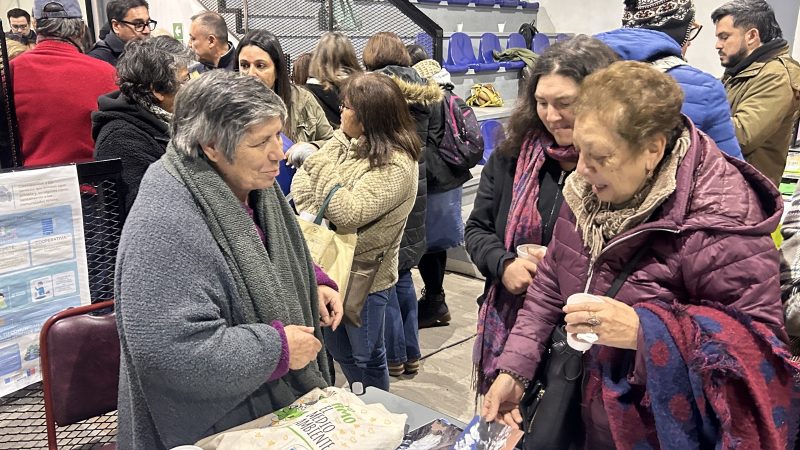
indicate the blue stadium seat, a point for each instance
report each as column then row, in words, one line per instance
column 429, row 1
column 493, row 136
column 562, row 37
column 485, row 2
column 460, row 57
column 458, row 2
column 540, row 43
column 508, row 3
column 531, row 5
column 516, row 40
column 489, row 42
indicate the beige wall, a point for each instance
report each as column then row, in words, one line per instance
column 796, row 49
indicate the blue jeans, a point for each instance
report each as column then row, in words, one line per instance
column 361, row 351
column 402, row 331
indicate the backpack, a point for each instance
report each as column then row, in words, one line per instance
column 528, row 31
column 462, row 144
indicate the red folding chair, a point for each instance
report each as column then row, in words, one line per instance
column 80, row 367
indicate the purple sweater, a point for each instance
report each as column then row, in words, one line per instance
column 322, row 280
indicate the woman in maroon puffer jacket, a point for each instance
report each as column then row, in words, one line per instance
column 646, row 175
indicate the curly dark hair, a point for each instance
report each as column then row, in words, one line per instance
column 575, row 59
column 748, row 14
column 151, row 65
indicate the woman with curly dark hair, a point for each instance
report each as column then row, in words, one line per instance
column 520, row 190
column 133, row 123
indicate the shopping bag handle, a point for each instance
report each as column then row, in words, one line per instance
column 328, row 198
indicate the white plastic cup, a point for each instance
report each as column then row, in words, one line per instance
column 532, row 252
column 186, row 447
column 459, row 27
column 501, row 27
column 582, row 341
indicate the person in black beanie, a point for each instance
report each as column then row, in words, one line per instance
column 673, row 17
column 659, row 32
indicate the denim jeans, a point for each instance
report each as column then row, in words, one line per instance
column 402, row 332
column 361, row 351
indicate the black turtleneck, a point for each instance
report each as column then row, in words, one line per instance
column 764, row 53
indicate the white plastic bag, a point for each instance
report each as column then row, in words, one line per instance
column 329, row 419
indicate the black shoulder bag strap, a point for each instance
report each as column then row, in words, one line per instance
column 559, row 426
column 626, row 270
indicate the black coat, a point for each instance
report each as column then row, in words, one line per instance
column 122, row 129
column 441, row 176
column 421, row 96
column 485, row 231
column 329, row 100
column 108, row 49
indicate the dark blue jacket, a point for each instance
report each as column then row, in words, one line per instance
column 705, row 100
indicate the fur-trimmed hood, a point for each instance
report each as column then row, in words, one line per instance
column 416, row 90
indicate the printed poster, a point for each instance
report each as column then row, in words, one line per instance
column 42, row 264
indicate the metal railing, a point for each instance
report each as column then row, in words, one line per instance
column 298, row 24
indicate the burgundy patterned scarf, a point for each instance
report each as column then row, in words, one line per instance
column 499, row 310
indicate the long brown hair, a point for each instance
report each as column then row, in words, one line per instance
column 333, row 60
column 385, row 49
column 300, row 69
column 575, row 59
column 382, row 110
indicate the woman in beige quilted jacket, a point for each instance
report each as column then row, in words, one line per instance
column 373, row 157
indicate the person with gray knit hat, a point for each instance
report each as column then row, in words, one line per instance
column 659, row 32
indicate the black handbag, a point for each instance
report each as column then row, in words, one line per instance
column 551, row 405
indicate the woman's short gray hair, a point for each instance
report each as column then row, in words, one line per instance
column 70, row 29
column 152, row 65
column 218, row 108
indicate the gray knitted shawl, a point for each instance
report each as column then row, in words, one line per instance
column 275, row 280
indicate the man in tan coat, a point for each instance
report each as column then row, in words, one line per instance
column 762, row 81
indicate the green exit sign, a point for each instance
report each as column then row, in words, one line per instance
column 177, row 31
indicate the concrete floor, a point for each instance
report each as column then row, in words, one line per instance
column 443, row 382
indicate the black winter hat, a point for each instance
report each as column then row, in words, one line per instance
column 673, row 17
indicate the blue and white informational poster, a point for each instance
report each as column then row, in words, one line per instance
column 42, row 264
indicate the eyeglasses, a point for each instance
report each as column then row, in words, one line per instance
column 20, row 27
column 694, row 32
column 342, row 107
column 140, row 26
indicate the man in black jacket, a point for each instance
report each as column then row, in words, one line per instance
column 129, row 19
column 208, row 37
column 20, row 22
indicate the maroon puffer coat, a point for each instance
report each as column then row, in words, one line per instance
column 710, row 241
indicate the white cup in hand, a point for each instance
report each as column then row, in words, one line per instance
column 532, row 252
column 582, row 341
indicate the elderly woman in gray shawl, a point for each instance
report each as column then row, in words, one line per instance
column 218, row 307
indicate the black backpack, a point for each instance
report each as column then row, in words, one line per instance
column 528, row 31
column 462, row 143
